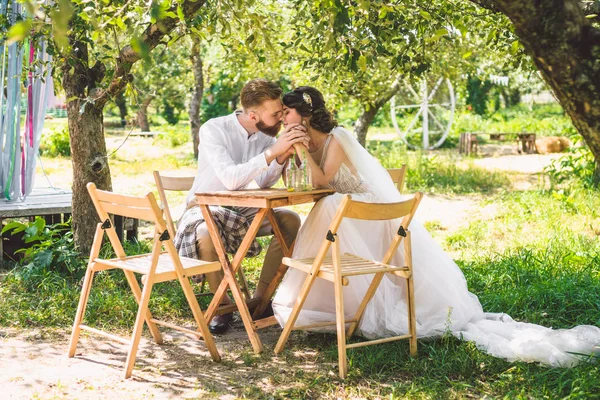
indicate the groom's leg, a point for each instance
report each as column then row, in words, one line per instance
column 207, row 252
column 289, row 223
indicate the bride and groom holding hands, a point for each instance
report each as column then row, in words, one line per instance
column 245, row 146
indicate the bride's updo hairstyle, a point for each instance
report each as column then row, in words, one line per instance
column 309, row 102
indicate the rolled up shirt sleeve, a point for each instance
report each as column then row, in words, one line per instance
column 233, row 176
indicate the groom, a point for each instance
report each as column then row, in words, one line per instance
column 235, row 150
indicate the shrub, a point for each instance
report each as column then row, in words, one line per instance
column 575, row 166
column 174, row 135
column 51, row 248
column 56, row 143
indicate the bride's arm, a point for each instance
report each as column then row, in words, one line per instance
column 333, row 162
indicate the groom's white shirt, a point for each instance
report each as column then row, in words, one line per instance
column 229, row 159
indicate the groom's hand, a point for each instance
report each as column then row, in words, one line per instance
column 284, row 146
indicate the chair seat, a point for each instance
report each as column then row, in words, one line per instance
column 165, row 271
column 351, row 265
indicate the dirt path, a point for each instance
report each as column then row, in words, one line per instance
column 35, row 365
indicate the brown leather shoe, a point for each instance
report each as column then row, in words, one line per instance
column 220, row 323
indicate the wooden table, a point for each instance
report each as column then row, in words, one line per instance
column 265, row 200
column 469, row 143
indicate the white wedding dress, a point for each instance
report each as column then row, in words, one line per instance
column 443, row 301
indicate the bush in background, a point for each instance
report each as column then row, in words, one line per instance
column 174, row 136
column 56, row 143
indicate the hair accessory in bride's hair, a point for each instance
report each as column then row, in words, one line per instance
column 307, row 99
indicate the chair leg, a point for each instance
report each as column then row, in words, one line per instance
column 199, row 317
column 135, row 288
column 287, row 329
column 410, row 296
column 138, row 326
column 83, row 299
column 363, row 305
column 341, row 326
column 243, row 283
column 412, row 322
column 86, row 288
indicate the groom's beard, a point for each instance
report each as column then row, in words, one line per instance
column 272, row 130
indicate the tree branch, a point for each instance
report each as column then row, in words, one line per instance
column 389, row 93
column 152, row 37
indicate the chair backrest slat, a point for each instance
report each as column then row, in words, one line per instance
column 404, row 210
column 398, row 176
column 144, row 213
column 172, row 183
column 177, row 183
column 144, row 208
column 129, row 201
column 379, row 211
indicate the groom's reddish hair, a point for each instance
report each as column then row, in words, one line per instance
column 257, row 91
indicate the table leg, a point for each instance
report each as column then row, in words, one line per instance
column 237, row 259
column 287, row 252
column 230, row 269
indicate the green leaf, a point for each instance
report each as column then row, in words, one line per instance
column 141, row 48
column 15, row 226
column 383, row 12
column 439, row 33
column 425, row 14
column 120, row 23
column 44, row 258
column 467, row 55
column 31, row 230
column 19, row 31
column 39, row 223
column 180, row 13
column 462, row 28
column 362, row 63
column 514, row 47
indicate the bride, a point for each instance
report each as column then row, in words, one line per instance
column 442, row 299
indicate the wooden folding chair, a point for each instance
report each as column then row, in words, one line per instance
column 398, row 176
column 337, row 268
column 166, row 182
column 157, row 266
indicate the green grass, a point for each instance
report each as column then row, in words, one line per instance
column 440, row 172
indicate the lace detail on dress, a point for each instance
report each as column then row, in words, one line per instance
column 344, row 180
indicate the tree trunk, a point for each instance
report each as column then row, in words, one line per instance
column 86, row 130
column 88, row 148
column 142, row 114
column 122, row 104
column 361, row 127
column 565, row 47
column 197, row 93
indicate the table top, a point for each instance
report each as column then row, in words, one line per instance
column 261, row 198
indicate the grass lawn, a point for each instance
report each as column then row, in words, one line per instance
column 535, row 256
